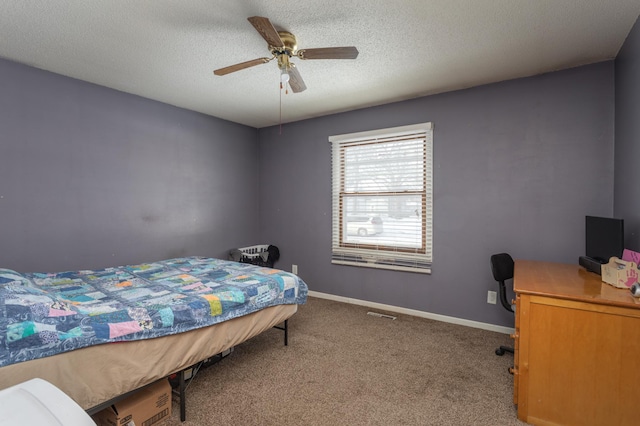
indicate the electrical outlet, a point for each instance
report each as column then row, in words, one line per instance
column 491, row 297
column 294, row 269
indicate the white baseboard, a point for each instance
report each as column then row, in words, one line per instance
column 413, row 312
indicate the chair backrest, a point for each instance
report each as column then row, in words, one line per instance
column 502, row 267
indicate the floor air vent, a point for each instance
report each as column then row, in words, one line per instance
column 379, row 315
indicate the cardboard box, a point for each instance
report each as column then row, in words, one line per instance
column 620, row 273
column 147, row 407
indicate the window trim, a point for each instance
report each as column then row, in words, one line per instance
column 374, row 256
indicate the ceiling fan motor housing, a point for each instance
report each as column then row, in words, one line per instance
column 283, row 53
column 290, row 45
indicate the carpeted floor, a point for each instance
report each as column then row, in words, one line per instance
column 344, row 367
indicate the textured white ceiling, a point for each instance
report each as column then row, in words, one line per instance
column 167, row 50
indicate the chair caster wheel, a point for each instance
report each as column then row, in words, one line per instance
column 499, row 352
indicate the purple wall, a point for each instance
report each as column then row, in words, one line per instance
column 517, row 166
column 91, row 177
column 627, row 150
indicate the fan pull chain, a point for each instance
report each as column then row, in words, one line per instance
column 286, row 92
column 280, row 107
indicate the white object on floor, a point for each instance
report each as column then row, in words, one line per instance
column 38, row 402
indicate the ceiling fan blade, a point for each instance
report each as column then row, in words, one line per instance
column 241, row 66
column 266, row 30
column 295, row 80
column 347, row 52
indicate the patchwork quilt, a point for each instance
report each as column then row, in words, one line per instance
column 43, row 314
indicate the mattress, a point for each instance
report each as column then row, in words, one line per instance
column 43, row 314
column 96, row 374
column 97, row 334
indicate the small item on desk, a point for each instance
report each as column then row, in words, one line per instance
column 635, row 290
column 620, row 273
column 631, row 256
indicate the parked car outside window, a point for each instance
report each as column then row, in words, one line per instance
column 364, row 225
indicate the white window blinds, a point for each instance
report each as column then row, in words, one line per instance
column 382, row 198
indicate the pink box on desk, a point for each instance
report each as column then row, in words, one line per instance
column 631, row 256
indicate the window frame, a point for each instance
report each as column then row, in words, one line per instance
column 376, row 255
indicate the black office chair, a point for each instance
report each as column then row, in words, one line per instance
column 502, row 268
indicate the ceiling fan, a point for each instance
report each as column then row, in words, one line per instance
column 283, row 46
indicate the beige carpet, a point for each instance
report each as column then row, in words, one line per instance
column 344, row 367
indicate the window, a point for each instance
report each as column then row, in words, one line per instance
column 382, row 196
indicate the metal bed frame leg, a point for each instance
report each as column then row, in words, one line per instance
column 183, row 408
column 286, row 331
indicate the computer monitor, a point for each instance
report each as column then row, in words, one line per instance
column 604, row 238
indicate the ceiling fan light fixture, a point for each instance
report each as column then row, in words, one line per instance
column 284, row 76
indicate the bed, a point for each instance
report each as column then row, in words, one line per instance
column 99, row 334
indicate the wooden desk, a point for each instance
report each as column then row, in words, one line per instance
column 577, row 348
